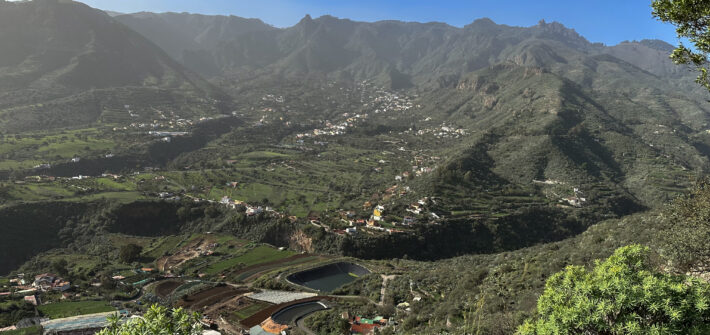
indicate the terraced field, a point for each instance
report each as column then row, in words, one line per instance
column 258, row 255
column 256, row 270
column 166, row 288
column 67, row 309
column 210, row 297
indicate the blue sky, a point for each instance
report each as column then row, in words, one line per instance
column 606, row 21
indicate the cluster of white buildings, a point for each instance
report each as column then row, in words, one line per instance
column 442, row 131
column 249, row 209
column 273, row 98
column 335, row 128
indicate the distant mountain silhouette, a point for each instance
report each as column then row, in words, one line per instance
column 400, row 54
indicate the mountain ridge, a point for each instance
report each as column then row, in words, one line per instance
column 58, row 49
column 394, row 50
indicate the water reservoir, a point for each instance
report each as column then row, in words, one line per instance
column 328, row 277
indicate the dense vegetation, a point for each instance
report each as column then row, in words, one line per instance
column 157, row 320
column 687, row 223
column 624, row 294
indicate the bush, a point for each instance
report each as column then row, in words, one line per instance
column 129, row 253
column 622, row 295
column 158, row 320
column 687, row 229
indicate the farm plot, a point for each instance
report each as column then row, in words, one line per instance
column 258, row 255
column 210, row 297
column 251, row 272
column 165, row 288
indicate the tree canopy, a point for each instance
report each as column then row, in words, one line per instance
column 692, row 21
column 158, row 320
column 621, row 295
column 129, row 252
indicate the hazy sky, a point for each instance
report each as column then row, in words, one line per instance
column 606, row 21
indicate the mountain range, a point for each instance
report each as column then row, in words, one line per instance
column 580, row 113
column 409, row 52
column 576, row 112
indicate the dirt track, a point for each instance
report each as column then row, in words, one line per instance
column 385, row 279
column 186, row 253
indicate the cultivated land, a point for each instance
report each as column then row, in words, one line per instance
column 67, row 309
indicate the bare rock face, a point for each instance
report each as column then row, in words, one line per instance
column 300, row 241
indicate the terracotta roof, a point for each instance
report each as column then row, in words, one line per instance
column 273, row 327
column 363, row 328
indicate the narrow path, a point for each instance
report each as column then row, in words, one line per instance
column 385, row 279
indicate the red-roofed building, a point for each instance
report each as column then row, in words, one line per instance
column 360, row 325
column 363, row 328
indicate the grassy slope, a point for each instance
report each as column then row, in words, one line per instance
column 260, row 254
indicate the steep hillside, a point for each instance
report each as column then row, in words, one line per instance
column 73, row 57
column 190, row 38
column 534, row 125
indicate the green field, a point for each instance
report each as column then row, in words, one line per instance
column 260, row 254
column 69, row 190
column 36, row 330
column 300, row 262
column 73, row 308
column 250, row 310
column 263, row 155
column 162, row 246
column 29, row 149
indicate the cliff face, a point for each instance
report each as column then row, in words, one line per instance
column 298, row 240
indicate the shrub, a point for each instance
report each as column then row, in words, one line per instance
column 621, row 295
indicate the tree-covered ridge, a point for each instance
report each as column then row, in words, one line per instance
column 496, row 294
